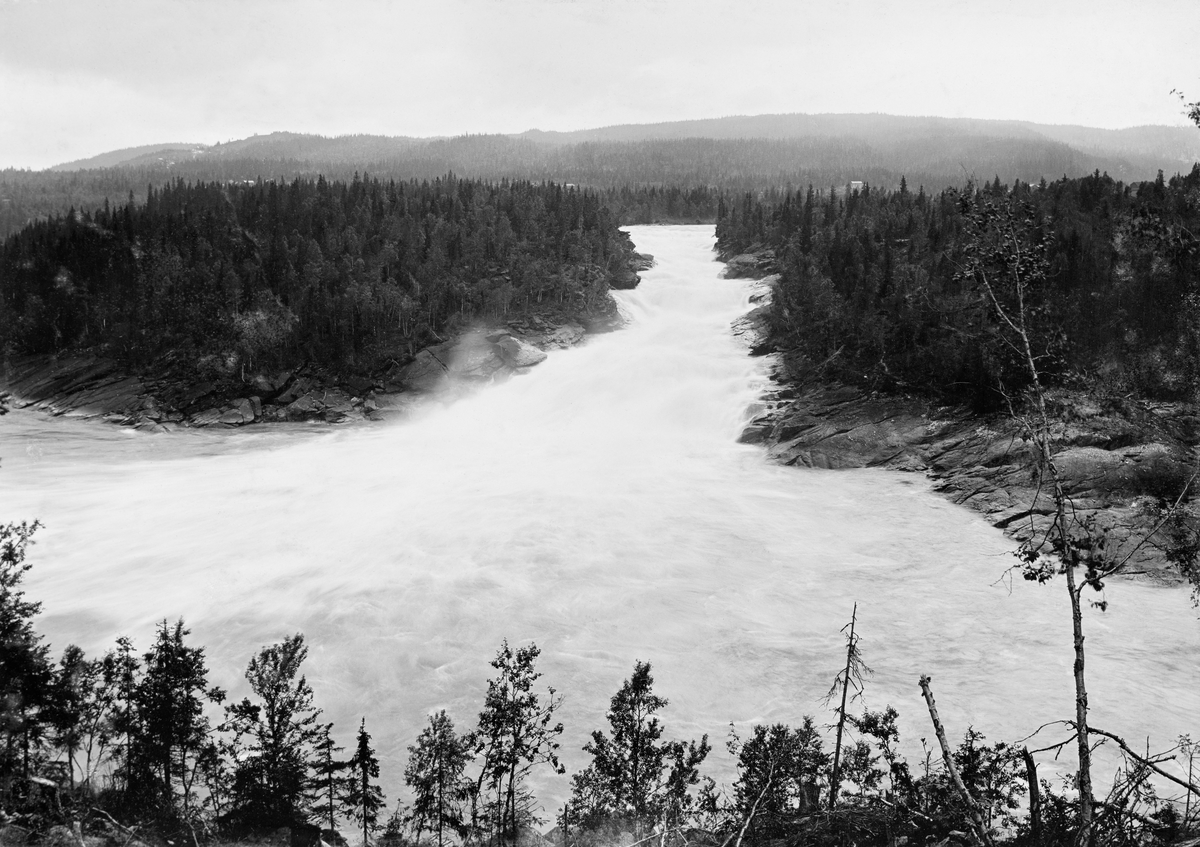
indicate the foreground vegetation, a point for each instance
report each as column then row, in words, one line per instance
column 136, row 744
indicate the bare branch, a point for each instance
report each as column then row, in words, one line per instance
column 1195, row 789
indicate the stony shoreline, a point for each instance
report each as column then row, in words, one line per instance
column 99, row 388
column 168, row 398
column 1118, row 458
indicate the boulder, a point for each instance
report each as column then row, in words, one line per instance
column 232, row 417
column 206, row 418
column 517, row 354
column 641, row 261
column 754, row 327
column 474, row 357
column 753, row 265
column 424, row 373
column 299, row 387
column 303, row 408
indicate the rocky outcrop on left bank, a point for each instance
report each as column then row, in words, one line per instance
column 1121, row 460
column 98, row 387
column 222, row 392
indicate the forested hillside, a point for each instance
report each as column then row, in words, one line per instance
column 346, row 274
column 732, row 154
column 875, row 288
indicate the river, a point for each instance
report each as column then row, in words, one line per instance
column 601, row 507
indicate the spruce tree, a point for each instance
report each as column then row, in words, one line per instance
column 329, row 780
column 172, row 730
column 363, row 799
column 435, row 775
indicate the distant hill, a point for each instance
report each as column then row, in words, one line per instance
column 736, row 154
column 146, row 154
column 1144, row 149
column 1170, row 140
column 1134, row 153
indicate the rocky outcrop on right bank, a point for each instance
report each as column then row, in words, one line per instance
column 1121, row 460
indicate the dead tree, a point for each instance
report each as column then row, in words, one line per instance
column 974, row 813
column 850, row 677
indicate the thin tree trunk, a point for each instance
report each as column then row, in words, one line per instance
column 754, row 807
column 981, row 833
column 1035, row 796
column 835, row 776
column 1041, row 437
column 1086, row 801
column 441, row 813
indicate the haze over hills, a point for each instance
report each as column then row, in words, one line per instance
column 733, row 154
column 1171, row 142
column 1133, row 153
column 276, row 145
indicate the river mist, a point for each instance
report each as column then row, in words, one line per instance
column 600, row 506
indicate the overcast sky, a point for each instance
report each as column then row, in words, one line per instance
column 80, row 77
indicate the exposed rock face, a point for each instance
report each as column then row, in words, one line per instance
column 753, row 265
column 480, row 357
column 472, row 357
column 424, row 373
column 84, row 385
column 641, row 261
column 627, row 277
column 1112, row 462
column 986, row 464
column 517, row 354
column 97, row 387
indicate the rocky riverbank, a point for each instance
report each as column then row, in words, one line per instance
column 98, row 387
column 1120, row 459
column 172, row 395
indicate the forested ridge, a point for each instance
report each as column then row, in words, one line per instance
column 269, row 274
column 930, row 155
column 873, row 287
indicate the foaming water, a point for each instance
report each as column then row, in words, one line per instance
column 599, row 506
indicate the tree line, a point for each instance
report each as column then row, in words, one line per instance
column 269, row 274
column 879, row 154
column 874, row 288
column 138, row 741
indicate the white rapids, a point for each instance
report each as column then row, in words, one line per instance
column 601, row 507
